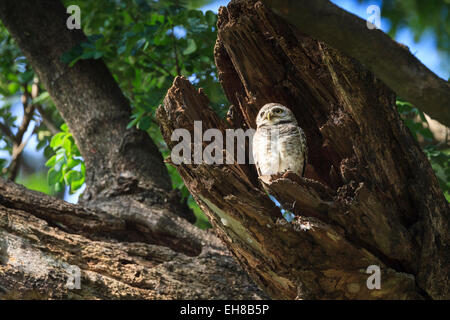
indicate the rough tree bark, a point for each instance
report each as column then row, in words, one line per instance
column 132, row 238
column 344, row 31
column 369, row 197
column 43, row 239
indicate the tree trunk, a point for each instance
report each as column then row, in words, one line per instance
column 369, row 196
column 133, row 237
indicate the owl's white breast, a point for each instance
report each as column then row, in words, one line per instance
column 276, row 152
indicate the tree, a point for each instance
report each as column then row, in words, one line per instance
column 133, row 237
column 369, row 197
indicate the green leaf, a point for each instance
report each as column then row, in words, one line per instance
column 132, row 123
column 13, row 87
column 26, row 76
column 98, row 55
column 191, row 47
column 70, row 56
column 48, row 151
column 57, row 139
column 72, row 175
column 145, row 123
column 122, row 49
column 51, row 162
column 59, row 187
column 41, row 98
column 67, row 144
column 64, row 127
column 59, row 164
column 139, row 44
column 53, row 176
column 76, row 184
column 71, row 163
column 211, row 17
column 88, row 55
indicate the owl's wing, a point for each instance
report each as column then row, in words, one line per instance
column 305, row 149
column 305, row 162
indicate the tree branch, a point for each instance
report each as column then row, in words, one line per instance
column 40, row 237
column 157, row 63
column 19, row 144
column 387, row 59
column 7, row 131
column 46, row 119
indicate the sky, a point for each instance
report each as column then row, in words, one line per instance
column 425, row 50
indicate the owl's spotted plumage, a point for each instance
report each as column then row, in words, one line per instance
column 279, row 144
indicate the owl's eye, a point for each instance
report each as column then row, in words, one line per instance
column 262, row 115
column 278, row 111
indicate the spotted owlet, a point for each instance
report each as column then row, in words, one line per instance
column 279, row 144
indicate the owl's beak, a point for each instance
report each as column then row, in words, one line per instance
column 269, row 114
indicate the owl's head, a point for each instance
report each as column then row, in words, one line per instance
column 273, row 114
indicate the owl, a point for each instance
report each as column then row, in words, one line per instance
column 279, row 144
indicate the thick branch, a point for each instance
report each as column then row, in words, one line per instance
column 388, row 60
column 41, row 238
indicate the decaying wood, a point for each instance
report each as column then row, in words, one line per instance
column 42, row 239
column 370, row 196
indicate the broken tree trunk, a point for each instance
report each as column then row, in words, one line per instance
column 369, row 196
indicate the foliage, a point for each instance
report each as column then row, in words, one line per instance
column 34, row 182
column 422, row 18
column 146, row 45
column 438, row 154
column 440, row 161
column 10, row 69
column 66, row 165
column 16, row 78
